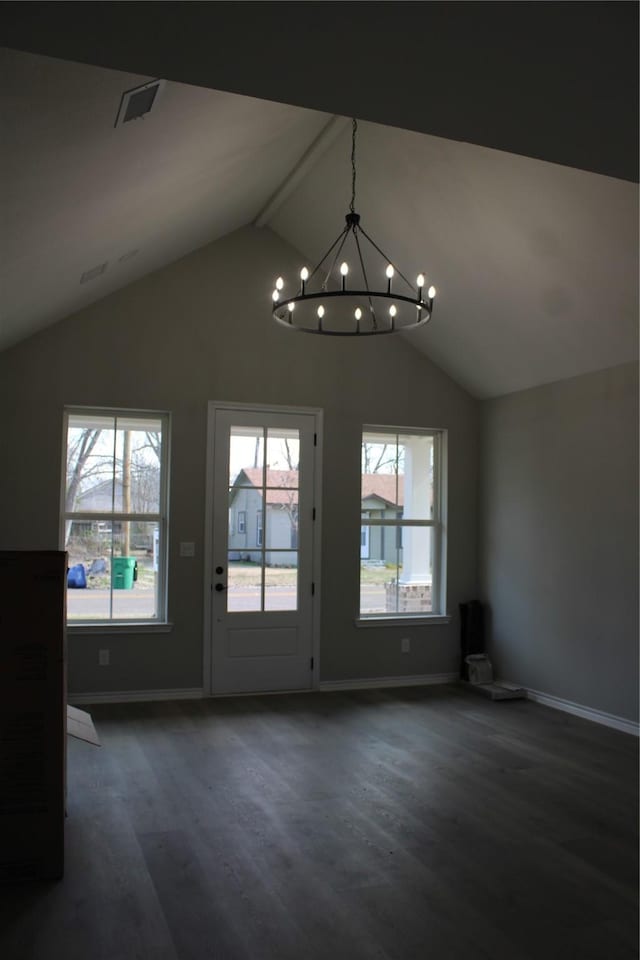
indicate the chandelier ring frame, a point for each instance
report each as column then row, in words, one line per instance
column 425, row 307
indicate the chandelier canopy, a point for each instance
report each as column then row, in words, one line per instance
column 335, row 298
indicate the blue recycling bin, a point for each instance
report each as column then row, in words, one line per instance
column 77, row 577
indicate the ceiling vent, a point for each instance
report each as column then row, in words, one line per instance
column 94, row 272
column 137, row 102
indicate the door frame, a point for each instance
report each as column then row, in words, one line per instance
column 260, row 408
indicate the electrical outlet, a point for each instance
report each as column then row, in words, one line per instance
column 405, row 645
column 103, row 658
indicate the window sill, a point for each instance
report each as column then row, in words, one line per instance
column 85, row 629
column 436, row 620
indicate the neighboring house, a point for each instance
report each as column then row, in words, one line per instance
column 97, row 499
column 248, row 531
column 247, row 521
column 107, row 496
column 100, row 497
column 381, row 501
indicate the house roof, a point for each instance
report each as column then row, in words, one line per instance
column 383, row 486
column 281, row 484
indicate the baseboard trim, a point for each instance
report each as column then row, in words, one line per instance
column 372, row 683
column 137, row 696
column 587, row 713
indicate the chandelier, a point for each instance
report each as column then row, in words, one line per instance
column 338, row 301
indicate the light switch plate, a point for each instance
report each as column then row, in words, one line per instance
column 187, row 548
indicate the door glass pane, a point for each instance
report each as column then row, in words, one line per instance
column 397, row 576
column 282, row 521
column 244, row 583
column 281, row 581
column 263, row 526
column 246, row 456
column 283, row 455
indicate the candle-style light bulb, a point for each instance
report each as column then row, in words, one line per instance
column 304, row 274
column 431, row 292
column 392, row 310
column 390, row 272
column 291, row 307
column 279, row 283
column 344, row 269
column 420, row 281
column 321, row 311
column 275, row 296
column 358, row 313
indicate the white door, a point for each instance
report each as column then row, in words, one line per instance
column 261, row 550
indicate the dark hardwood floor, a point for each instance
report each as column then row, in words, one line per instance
column 414, row 824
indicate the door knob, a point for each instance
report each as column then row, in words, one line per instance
column 219, row 570
column 220, row 587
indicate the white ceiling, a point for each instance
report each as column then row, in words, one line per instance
column 535, row 263
column 76, row 192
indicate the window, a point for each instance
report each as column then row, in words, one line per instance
column 402, row 534
column 259, row 542
column 242, row 521
column 114, row 515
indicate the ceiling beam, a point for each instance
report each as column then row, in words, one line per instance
column 307, row 162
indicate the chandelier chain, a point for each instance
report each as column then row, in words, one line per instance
column 352, row 205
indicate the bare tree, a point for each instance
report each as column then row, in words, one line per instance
column 145, row 484
column 78, row 453
column 378, row 458
column 154, row 441
column 288, row 456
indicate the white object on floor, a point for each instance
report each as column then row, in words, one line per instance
column 479, row 669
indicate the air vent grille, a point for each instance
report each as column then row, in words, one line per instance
column 138, row 101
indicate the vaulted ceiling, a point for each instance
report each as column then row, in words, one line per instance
column 534, row 256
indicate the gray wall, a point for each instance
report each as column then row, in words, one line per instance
column 559, row 538
column 200, row 330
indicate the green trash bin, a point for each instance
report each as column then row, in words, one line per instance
column 124, row 571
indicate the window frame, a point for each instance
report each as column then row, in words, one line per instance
column 438, row 522
column 160, row 623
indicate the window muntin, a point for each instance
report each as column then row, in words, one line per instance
column 114, row 515
column 402, row 524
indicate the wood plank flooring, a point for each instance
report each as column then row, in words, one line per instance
column 414, row 824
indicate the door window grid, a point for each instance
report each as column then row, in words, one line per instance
column 263, row 566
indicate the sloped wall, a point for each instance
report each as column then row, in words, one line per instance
column 559, row 538
column 200, row 330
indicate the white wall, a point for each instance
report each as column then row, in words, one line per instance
column 199, row 330
column 559, row 538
